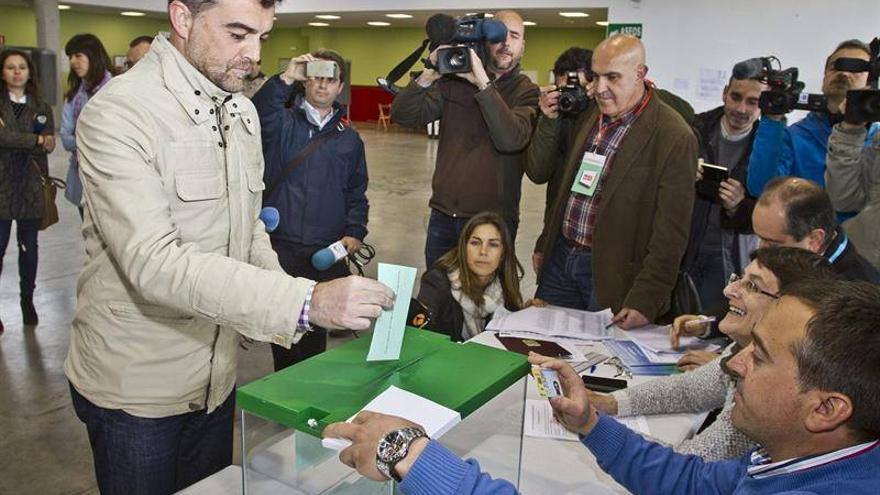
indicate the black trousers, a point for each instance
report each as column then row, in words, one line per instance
column 295, row 259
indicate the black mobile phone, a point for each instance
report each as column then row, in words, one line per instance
column 602, row 384
column 714, row 173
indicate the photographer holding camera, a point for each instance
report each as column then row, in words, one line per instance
column 852, row 179
column 799, row 150
column 489, row 114
column 316, row 176
column 555, row 126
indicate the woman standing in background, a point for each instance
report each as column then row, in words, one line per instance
column 26, row 136
column 89, row 71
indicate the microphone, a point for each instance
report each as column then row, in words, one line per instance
column 270, row 216
column 752, row 68
column 440, row 29
column 327, row 257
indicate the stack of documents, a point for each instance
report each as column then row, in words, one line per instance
column 648, row 352
column 553, row 323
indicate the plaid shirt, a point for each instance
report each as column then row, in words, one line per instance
column 581, row 210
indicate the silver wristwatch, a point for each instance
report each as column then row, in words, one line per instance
column 394, row 447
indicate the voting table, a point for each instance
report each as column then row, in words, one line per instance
column 282, row 453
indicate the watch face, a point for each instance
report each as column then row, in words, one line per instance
column 391, row 446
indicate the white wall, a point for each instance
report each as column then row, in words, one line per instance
column 684, row 38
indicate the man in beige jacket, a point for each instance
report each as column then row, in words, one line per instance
column 179, row 265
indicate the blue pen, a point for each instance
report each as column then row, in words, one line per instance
column 592, row 369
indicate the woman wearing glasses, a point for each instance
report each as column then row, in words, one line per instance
column 26, row 137
column 708, row 387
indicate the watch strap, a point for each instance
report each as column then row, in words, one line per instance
column 386, row 466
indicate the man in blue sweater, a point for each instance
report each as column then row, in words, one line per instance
column 802, row 393
column 799, row 150
column 321, row 199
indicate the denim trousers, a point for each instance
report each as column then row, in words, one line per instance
column 567, row 277
column 155, row 456
column 444, row 231
column 26, row 233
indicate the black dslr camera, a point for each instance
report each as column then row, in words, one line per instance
column 468, row 32
column 785, row 93
column 863, row 105
column 572, row 98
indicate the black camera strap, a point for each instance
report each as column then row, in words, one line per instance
column 407, row 63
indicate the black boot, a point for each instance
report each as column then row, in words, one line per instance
column 28, row 311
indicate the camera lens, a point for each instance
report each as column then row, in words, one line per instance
column 457, row 59
column 566, row 102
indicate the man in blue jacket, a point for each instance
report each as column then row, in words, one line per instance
column 799, row 150
column 802, row 393
column 322, row 199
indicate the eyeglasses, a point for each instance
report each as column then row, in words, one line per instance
column 750, row 285
column 621, row 368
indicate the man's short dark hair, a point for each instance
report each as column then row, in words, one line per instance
column 807, row 206
column 791, row 265
column 852, row 44
column 197, row 6
column 141, row 39
column 573, row 59
column 327, row 54
column 841, row 347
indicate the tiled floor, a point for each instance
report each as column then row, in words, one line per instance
column 43, row 447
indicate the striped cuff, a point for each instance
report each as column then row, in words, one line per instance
column 303, row 323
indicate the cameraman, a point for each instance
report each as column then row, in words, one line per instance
column 852, row 179
column 552, row 134
column 799, row 150
column 488, row 114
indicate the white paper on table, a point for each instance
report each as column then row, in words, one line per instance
column 655, row 338
column 554, row 321
column 540, row 423
column 434, row 418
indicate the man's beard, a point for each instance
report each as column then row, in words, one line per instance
column 223, row 78
column 496, row 66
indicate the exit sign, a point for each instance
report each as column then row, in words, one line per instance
column 633, row 29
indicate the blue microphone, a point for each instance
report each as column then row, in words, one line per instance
column 270, row 216
column 327, row 257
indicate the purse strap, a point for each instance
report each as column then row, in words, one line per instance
column 300, row 158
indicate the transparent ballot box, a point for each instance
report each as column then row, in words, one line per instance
column 283, row 414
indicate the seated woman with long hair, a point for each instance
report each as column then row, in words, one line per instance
column 459, row 294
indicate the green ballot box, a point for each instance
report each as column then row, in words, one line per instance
column 283, row 414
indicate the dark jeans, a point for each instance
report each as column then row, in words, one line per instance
column 444, row 231
column 567, row 277
column 26, row 233
column 296, row 260
column 155, row 456
column 707, row 273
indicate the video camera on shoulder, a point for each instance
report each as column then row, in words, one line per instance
column 573, row 97
column 863, row 105
column 468, row 32
column 786, row 93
